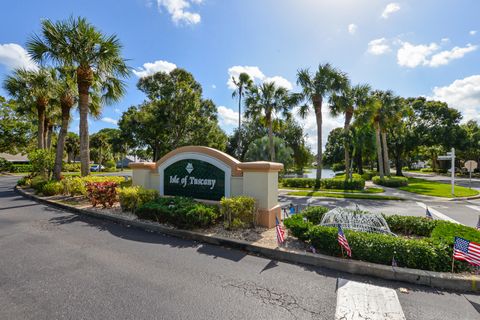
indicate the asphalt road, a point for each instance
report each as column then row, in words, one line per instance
column 56, row 265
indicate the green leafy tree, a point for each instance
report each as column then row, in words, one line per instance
column 266, row 101
column 72, row 146
column 334, row 148
column 32, row 89
column 315, row 88
column 259, row 150
column 16, row 128
column 96, row 58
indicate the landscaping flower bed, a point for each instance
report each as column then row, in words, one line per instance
column 420, row 243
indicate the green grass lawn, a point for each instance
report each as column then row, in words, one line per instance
column 343, row 195
column 436, row 189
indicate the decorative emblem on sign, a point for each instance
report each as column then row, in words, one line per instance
column 189, row 168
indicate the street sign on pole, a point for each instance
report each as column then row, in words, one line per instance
column 451, row 157
column 471, row 165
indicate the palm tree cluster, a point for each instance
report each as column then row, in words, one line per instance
column 267, row 103
column 78, row 66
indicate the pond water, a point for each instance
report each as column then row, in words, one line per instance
column 326, row 173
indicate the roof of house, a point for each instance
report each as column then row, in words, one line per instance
column 14, row 157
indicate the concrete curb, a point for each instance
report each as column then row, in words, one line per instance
column 440, row 280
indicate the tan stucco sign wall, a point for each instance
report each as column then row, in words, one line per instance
column 208, row 174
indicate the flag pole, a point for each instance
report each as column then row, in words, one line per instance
column 343, row 255
column 453, row 257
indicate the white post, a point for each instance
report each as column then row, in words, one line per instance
column 453, row 172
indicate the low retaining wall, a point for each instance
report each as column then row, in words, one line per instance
column 440, row 280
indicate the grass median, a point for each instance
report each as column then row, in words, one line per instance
column 343, row 195
column 437, row 189
column 367, row 190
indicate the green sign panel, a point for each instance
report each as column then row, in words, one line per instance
column 194, row 178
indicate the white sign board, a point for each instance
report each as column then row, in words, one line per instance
column 444, row 158
column 471, row 165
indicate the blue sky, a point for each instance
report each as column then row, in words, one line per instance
column 426, row 47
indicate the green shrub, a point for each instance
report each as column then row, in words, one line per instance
column 426, row 170
column 132, row 198
column 42, row 161
column 71, row 167
column 180, row 212
column 74, row 186
column 21, row 168
column 52, row 188
column 408, row 225
column 24, row 182
column 336, row 167
column 393, row 182
column 314, row 214
column 339, row 182
column 125, row 183
column 110, row 164
column 446, row 232
column 5, row 166
column 238, row 212
column 368, row 175
column 297, row 226
column 104, row 193
column 37, row 183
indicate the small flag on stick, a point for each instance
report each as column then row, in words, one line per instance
column 467, row 251
column 280, row 232
column 394, row 262
column 342, row 240
column 428, row 215
column 478, row 223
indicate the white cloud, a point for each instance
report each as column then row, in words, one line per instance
column 389, row 9
column 412, row 56
column 117, row 110
column 473, row 32
column 178, row 10
column 378, row 46
column 109, row 120
column 14, row 56
column 279, row 81
column 227, row 117
column 352, row 28
column 462, row 94
column 444, row 57
column 445, row 40
column 256, row 75
column 150, row 68
column 214, row 86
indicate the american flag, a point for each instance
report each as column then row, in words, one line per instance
column 280, row 232
column 478, row 223
column 467, row 251
column 343, row 241
column 428, row 215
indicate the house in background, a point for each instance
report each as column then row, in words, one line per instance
column 15, row 158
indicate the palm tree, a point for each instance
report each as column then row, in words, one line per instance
column 315, row 88
column 97, row 61
column 66, row 97
column 346, row 102
column 32, row 88
column 265, row 102
column 72, row 146
column 242, row 84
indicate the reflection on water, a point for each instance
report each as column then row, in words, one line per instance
column 326, row 173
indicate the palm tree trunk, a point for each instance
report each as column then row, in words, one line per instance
column 239, row 121
column 45, row 132
column 317, row 103
column 49, row 136
column 57, row 169
column 270, row 138
column 379, row 150
column 386, row 161
column 84, row 81
column 346, row 130
column 41, row 126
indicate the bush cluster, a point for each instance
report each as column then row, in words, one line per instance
column 430, row 170
column 71, row 167
column 104, row 193
column 337, row 167
column 393, row 182
column 5, row 166
column 431, row 251
column 368, row 175
column 52, row 188
column 21, row 168
column 315, row 214
column 339, row 182
column 131, row 198
column 238, row 212
column 179, row 212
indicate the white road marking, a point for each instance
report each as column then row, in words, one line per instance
column 437, row 213
column 357, row 300
column 474, row 207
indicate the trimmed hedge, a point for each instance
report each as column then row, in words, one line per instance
column 238, row 212
column 433, row 252
column 368, row 175
column 21, row 168
column 357, row 183
column 393, row 182
column 180, row 212
column 314, row 214
column 131, row 198
column 52, row 188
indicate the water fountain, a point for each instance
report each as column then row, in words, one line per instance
column 356, row 220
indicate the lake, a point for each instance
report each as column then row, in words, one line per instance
column 326, row 173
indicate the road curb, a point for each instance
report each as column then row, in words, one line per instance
column 440, row 280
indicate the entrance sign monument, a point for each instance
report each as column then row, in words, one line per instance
column 208, row 174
